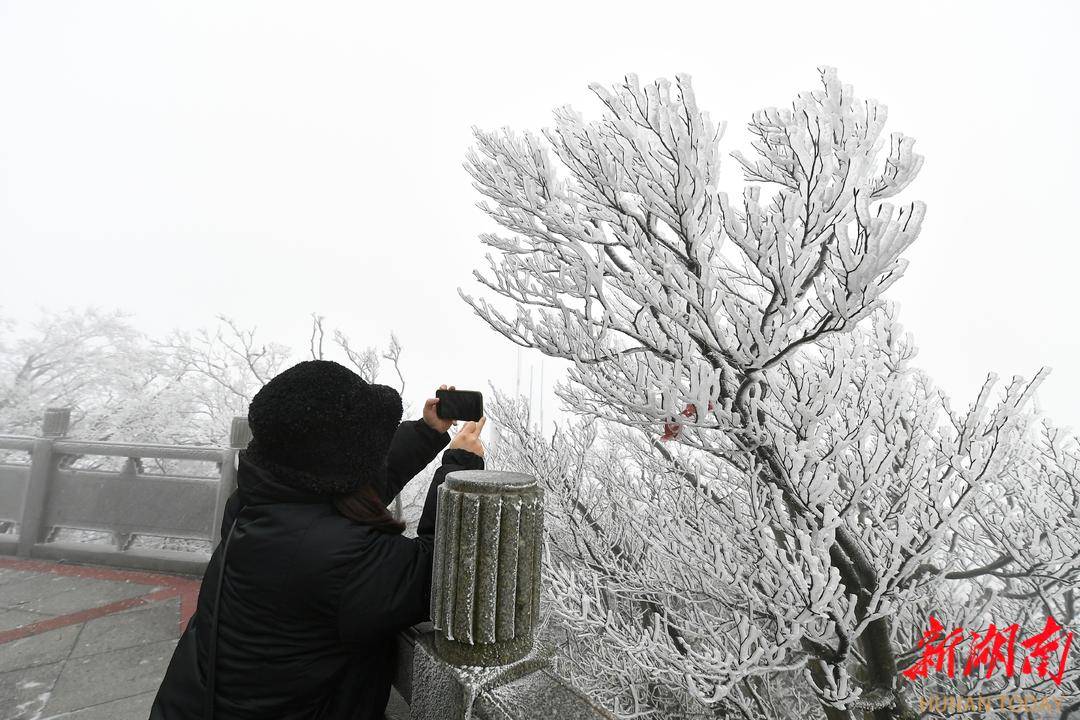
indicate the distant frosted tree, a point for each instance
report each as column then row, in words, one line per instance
column 124, row 385
column 786, row 499
column 94, row 361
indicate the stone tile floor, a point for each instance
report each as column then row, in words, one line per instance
column 89, row 643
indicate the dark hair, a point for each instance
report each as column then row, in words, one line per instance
column 364, row 506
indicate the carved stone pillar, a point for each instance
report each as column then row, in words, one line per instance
column 55, row 422
column 485, row 589
column 239, row 432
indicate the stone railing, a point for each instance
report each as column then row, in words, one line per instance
column 479, row 657
column 46, row 495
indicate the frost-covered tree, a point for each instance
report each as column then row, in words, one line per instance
column 97, row 363
column 785, row 494
column 124, row 385
column 218, row 370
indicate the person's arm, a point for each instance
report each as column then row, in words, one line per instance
column 415, row 444
column 392, row 590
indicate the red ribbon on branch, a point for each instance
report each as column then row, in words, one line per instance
column 672, row 429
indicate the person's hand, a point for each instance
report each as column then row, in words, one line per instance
column 468, row 437
column 430, row 416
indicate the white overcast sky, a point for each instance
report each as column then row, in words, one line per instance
column 267, row 160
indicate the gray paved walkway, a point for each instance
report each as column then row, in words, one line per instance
column 88, row 643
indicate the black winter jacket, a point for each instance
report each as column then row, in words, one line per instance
column 311, row 601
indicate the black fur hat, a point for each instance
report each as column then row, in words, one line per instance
column 320, row 427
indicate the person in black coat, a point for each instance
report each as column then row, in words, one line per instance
column 318, row 579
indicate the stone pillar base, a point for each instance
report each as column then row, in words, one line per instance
column 485, row 654
column 441, row 691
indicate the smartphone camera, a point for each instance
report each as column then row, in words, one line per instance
column 459, row 404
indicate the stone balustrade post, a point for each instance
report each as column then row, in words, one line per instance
column 485, row 593
column 239, row 432
column 485, row 597
column 54, row 424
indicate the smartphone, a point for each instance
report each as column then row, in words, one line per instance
column 459, row 404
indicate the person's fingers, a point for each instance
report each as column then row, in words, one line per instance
column 480, row 423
